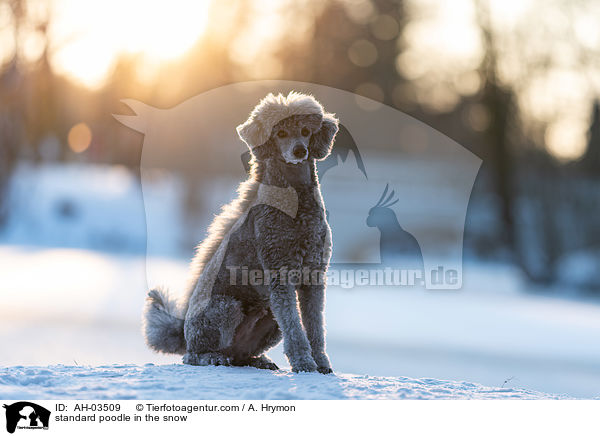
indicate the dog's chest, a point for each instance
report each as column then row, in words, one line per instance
column 292, row 222
column 311, row 211
column 310, row 223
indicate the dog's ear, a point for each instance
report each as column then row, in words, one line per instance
column 322, row 141
column 251, row 133
column 263, row 152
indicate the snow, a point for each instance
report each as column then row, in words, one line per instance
column 129, row 382
column 74, row 206
column 74, row 279
column 78, row 307
column 580, row 268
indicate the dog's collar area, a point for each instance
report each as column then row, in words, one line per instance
column 284, row 199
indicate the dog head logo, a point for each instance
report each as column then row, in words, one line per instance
column 26, row 415
column 378, row 148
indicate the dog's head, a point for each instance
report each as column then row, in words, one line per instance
column 300, row 137
column 293, row 129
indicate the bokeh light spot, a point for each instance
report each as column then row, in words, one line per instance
column 80, row 137
column 566, row 139
column 362, row 53
column 385, row 27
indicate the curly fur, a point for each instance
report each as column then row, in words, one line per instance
column 163, row 329
column 221, row 225
column 271, row 110
column 277, row 220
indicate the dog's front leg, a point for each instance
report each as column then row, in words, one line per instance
column 312, row 302
column 296, row 347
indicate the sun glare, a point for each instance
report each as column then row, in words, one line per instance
column 89, row 36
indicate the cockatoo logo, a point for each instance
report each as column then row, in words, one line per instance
column 396, row 190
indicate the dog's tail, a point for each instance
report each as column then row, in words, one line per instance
column 163, row 329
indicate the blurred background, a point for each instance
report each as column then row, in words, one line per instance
column 515, row 82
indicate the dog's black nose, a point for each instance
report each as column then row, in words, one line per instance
column 299, row 151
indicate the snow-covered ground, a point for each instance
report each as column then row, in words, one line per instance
column 75, row 307
column 129, row 382
column 73, row 282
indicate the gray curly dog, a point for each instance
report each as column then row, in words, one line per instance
column 275, row 232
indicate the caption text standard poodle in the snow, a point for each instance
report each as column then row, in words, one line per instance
column 266, row 252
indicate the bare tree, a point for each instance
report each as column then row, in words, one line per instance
column 498, row 100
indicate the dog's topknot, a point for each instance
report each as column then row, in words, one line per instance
column 272, row 109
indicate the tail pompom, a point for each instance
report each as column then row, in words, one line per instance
column 162, row 328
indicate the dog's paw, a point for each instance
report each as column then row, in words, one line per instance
column 206, row 359
column 260, row 362
column 306, row 364
column 325, row 370
column 322, row 361
column 270, row 365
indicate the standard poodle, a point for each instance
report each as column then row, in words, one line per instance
column 260, row 273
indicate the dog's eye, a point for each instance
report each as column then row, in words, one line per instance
column 282, row 133
column 305, row 132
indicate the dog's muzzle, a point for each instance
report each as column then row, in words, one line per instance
column 300, row 151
